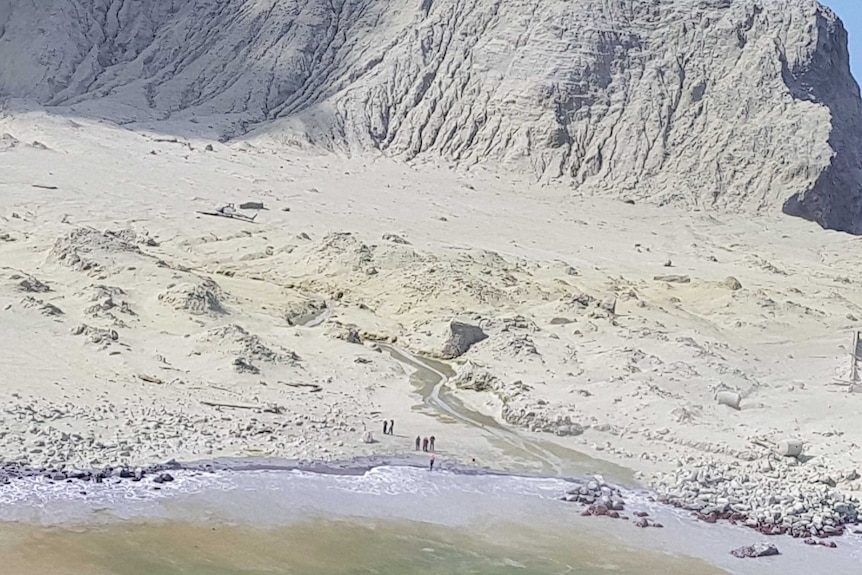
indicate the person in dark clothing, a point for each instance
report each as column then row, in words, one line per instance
column 424, row 444
column 385, row 427
column 391, row 427
column 431, row 443
column 431, row 464
column 418, row 440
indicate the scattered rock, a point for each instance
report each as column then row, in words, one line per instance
column 755, row 550
column 812, row 541
column 609, row 305
column 241, row 365
column 95, row 334
column 732, row 283
column 729, row 398
column 87, row 249
column 50, row 310
column 471, row 376
column 344, row 332
column 775, row 496
column 303, row 311
column 395, row 239
column 32, row 285
column 235, row 340
column 108, row 299
column 673, row 279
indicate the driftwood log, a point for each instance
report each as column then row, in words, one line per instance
column 268, row 408
column 312, row 387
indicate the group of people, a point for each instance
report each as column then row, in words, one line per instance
column 427, row 443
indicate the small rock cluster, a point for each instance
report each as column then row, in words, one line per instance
column 247, row 348
column 202, row 297
column 34, row 431
column 538, row 418
column 775, row 497
column 344, row 332
column 603, row 500
column 87, row 249
column 106, row 300
column 159, row 473
column 96, row 335
column 30, row 284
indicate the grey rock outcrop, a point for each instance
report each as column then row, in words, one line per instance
column 462, row 336
column 741, row 105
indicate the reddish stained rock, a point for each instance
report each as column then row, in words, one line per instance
column 599, row 510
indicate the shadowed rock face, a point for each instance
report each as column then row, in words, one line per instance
column 462, row 336
column 746, row 105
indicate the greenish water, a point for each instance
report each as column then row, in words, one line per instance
column 321, row 547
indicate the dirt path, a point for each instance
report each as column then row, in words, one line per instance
column 431, row 378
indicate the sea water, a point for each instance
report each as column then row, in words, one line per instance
column 387, row 520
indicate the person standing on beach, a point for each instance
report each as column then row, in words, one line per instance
column 424, row 444
column 391, row 427
column 385, row 427
column 431, row 464
column 431, row 443
column 418, row 439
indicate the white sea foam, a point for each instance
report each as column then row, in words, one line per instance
column 281, row 497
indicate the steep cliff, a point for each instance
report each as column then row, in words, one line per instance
column 729, row 104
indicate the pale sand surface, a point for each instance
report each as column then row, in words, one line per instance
column 187, row 294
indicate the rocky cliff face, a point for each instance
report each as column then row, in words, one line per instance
column 730, row 104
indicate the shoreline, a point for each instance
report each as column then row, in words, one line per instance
column 227, row 492
column 591, row 492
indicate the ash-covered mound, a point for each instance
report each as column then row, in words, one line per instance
column 201, row 297
column 746, row 104
column 92, row 251
column 235, row 340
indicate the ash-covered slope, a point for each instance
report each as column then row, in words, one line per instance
column 742, row 104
